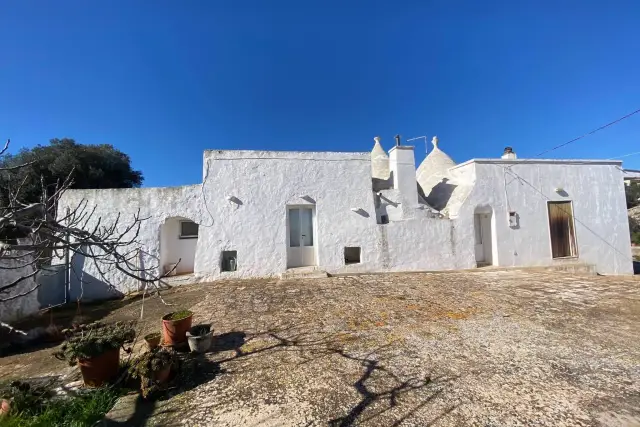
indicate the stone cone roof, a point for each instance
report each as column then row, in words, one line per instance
column 433, row 168
column 379, row 161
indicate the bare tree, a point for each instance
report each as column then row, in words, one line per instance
column 32, row 235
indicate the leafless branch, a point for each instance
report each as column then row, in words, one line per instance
column 46, row 234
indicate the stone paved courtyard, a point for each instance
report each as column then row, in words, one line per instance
column 486, row 348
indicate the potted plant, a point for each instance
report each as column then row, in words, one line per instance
column 152, row 340
column 199, row 338
column 153, row 369
column 175, row 326
column 95, row 347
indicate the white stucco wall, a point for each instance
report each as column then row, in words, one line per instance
column 155, row 204
column 524, row 186
column 263, row 185
column 243, row 201
column 25, row 305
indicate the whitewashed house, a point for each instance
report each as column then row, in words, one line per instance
column 263, row 213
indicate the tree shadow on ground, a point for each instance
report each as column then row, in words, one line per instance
column 379, row 388
column 42, row 331
column 228, row 341
column 135, row 410
column 375, row 401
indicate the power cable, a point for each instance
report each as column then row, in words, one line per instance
column 589, row 133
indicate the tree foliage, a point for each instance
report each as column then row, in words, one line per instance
column 90, row 166
column 633, row 194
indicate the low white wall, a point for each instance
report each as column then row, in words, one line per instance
column 155, row 204
column 24, row 305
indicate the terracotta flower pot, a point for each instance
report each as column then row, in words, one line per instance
column 152, row 340
column 174, row 332
column 100, row 369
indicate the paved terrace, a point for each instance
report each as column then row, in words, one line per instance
column 489, row 348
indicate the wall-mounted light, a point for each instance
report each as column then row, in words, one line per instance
column 355, row 209
column 559, row 190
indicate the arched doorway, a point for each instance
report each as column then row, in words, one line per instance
column 178, row 242
column 483, row 229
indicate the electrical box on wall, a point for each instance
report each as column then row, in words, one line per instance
column 513, row 219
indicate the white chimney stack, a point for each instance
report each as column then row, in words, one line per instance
column 402, row 164
column 509, row 154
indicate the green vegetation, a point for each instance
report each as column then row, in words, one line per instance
column 151, row 362
column 148, row 367
column 178, row 315
column 36, row 407
column 632, row 192
column 634, row 228
column 92, row 166
column 93, row 340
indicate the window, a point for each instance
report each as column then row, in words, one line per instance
column 352, row 255
column 229, row 261
column 561, row 230
column 188, row 230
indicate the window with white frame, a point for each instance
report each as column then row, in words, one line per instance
column 188, row 230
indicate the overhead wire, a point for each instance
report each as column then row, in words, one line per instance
column 589, row 133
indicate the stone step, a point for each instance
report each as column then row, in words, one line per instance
column 573, row 267
column 181, row 279
column 311, row 272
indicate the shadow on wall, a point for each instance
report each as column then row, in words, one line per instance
column 82, row 285
column 87, row 287
column 440, row 194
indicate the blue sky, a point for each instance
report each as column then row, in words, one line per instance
column 164, row 80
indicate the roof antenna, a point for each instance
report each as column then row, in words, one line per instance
column 426, row 146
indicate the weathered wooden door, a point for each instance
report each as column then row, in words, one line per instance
column 561, row 230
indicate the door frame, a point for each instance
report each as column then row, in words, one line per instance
column 575, row 231
column 314, row 228
column 488, row 248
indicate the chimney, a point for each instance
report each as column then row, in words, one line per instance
column 402, row 165
column 509, row 154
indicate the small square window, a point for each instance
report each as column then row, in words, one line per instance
column 229, row 261
column 188, row 230
column 352, row 255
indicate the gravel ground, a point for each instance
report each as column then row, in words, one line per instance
column 487, row 348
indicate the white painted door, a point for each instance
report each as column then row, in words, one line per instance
column 301, row 248
column 483, row 243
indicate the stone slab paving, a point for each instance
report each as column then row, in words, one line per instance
column 486, row 348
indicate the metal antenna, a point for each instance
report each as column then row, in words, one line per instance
column 426, row 146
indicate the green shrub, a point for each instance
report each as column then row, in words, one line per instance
column 93, row 340
column 39, row 407
column 178, row 315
